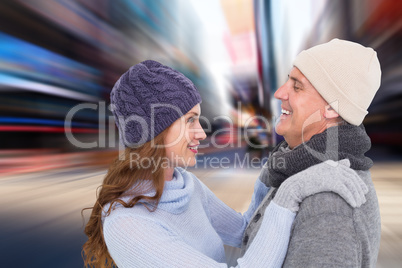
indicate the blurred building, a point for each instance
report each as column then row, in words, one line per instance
column 64, row 56
column 285, row 28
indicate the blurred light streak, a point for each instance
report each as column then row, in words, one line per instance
column 291, row 22
column 20, row 58
column 392, row 138
column 10, row 81
column 383, row 17
column 239, row 15
column 42, row 121
column 36, row 106
column 40, row 160
column 213, row 51
column 15, row 128
column 78, row 21
column 240, row 40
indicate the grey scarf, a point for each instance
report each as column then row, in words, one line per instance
column 335, row 143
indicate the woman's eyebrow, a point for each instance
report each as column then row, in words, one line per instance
column 194, row 113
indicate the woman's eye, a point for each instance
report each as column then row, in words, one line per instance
column 191, row 120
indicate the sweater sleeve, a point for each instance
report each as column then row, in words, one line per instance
column 228, row 223
column 323, row 234
column 141, row 242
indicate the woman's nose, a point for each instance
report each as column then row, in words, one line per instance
column 199, row 133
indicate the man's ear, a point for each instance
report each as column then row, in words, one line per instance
column 330, row 113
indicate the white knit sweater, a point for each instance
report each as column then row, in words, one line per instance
column 190, row 227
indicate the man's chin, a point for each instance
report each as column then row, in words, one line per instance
column 279, row 129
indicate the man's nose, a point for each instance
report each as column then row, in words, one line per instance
column 281, row 93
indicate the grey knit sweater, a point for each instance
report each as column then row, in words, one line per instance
column 327, row 232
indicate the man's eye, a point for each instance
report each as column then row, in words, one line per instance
column 191, row 120
column 296, row 88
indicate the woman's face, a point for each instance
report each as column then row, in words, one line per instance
column 183, row 138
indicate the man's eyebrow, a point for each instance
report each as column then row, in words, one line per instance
column 295, row 79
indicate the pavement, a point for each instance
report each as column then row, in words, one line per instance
column 42, row 226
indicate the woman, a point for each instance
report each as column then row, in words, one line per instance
column 151, row 212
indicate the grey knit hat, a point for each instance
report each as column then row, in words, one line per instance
column 148, row 98
column 346, row 74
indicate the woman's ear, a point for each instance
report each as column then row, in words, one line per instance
column 330, row 113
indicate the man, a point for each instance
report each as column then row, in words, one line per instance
column 324, row 102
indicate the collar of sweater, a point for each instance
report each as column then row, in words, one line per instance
column 177, row 192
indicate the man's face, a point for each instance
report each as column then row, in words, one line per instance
column 302, row 110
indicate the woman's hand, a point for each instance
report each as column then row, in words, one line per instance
column 329, row 176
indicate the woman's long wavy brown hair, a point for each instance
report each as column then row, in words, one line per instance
column 122, row 176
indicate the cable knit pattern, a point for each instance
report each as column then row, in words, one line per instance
column 190, row 227
column 148, row 98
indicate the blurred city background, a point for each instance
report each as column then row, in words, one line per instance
column 62, row 57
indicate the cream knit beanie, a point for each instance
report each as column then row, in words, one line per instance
column 346, row 74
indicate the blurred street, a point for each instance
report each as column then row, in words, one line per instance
column 59, row 60
column 52, row 234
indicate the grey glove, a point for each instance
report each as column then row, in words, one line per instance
column 329, row 176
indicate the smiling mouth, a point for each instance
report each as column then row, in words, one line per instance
column 194, row 149
column 286, row 112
